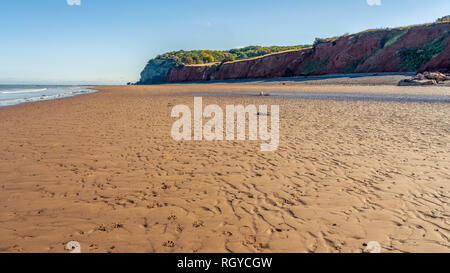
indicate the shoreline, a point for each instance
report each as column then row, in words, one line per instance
column 44, row 97
column 333, row 84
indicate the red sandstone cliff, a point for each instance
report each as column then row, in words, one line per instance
column 417, row 48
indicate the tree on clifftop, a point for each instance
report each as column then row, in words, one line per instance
column 444, row 19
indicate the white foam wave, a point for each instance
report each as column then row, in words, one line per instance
column 23, row 91
column 35, row 98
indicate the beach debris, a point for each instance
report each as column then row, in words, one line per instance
column 198, row 224
column 169, row 244
column 263, row 114
column 425, row 78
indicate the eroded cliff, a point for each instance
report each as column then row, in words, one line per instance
column 410, row 49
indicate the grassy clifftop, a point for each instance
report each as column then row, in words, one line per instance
column 158, row 67
column 210, row 56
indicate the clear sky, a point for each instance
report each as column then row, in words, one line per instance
column 110, row 41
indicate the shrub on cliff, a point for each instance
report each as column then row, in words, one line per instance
column 414, row 58
column 444, row 19
column 319, row 41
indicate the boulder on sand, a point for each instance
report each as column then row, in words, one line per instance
column 437, row 76
column 427, row 78
column 413, row 82
column 419, row 77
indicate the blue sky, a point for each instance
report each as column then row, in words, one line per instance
column 110, row 41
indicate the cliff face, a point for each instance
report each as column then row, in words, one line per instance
column 156, row 71
column 411, row 49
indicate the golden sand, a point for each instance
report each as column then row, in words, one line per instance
column 103, row 170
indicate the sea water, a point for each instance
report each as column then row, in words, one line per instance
column 16, row 94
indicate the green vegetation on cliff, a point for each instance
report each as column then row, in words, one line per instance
column 319, row 41
column 444, row 19
column 313, row 67
column 157, row 68
column 210, row 56
column 414, row 58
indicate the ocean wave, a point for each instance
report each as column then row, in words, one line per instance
column 38, row 97
column 22, row 91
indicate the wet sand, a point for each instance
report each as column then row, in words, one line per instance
column 102, row 169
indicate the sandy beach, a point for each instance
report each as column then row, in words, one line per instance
column 102, row 169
